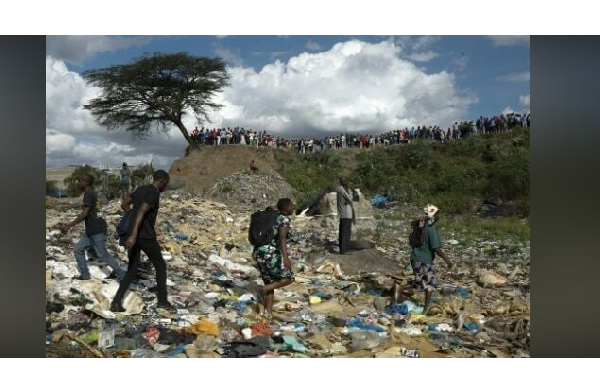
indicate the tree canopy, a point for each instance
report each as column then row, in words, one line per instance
column 142, row 175
column 155, row 91
column 51, row 187
column 71, row 181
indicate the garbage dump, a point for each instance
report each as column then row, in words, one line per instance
column 246, row 190
column 338, row 306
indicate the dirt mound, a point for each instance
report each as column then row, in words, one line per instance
column 203, row 167
column 356, row 262
column 251, row 191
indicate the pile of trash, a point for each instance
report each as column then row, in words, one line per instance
column 246, row 190
column 339, row 305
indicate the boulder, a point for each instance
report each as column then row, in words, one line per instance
column 365, row 222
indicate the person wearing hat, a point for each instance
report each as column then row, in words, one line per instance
column 422, row 257
column 125, row 181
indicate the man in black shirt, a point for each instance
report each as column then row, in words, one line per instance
column 142, row 237
column 95, row 231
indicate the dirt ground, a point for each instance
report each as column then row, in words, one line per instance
column 199, row 171
column 359, row 261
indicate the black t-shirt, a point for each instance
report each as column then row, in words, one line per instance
column 150, row 195
column 93, row 223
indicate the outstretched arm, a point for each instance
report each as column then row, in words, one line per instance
column 443, row 255
column 78, row 219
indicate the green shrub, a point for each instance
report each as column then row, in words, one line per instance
column 453, row 176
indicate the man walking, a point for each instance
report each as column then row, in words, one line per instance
column 346, row 215
column 95, row 231
column 142, row 237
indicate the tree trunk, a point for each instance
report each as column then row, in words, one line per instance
column 184, row 131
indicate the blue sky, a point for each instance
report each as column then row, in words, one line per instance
column 293, row 86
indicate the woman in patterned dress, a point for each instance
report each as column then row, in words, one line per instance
column 273, row 260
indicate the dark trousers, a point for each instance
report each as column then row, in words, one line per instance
column 152, row 250
column 344, row 234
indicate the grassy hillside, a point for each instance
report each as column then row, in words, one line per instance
column 455, row 176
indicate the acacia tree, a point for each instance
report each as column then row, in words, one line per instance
column 71, row 181
column 155, row 91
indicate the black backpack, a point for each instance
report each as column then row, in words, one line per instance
column 261, row 230
column 415, row 239
column 123, row 227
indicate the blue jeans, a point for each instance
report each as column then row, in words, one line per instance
column 98, row 243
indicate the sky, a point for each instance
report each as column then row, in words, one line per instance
column 291, row 86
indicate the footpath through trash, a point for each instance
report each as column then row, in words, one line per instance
column 339, row 305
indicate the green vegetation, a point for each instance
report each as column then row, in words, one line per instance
column 470, row 229
column 455, row 176
column 51, row 187
column 140, row 176
column 309, row 174
column 71, row 181
column 227, row 189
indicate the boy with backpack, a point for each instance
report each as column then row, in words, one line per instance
column 425, row 242
column 269, row 231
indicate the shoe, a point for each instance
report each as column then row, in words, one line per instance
column 113, row 275
column 165, row 305
column 81, row 278
column 116, row 307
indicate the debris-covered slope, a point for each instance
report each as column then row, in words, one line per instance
column 339, row 305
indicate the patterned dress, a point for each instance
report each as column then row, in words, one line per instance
column 269, row 258
column 425, row 278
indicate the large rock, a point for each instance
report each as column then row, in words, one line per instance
column 365, row 222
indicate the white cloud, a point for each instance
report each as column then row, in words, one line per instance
column 510, row 40
column 423, row 56
column 78, row 48
column 73, row 137
column 354, row 86
column 221, row 36
column 461, row 62
column 231, row 57
column 66, row 93
column 524, row 101
column 58, row 142
column 424, row 42
column 515, row 77
column 313, row 46
column 507, row 110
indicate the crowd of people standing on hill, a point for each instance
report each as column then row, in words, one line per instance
column 459, row 130
column 226, row 136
